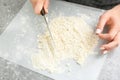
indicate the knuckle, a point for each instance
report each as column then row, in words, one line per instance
column 111, row 37
column 105, row 14
column 117, row 44
column 108, row 47
column 102, row 16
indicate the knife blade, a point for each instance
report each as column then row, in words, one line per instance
column 48, row 28
column 43, row 14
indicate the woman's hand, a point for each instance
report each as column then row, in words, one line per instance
column 39, row 4
column 110, row 18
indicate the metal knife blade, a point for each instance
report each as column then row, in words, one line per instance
column 48, row 27
column 43, row 14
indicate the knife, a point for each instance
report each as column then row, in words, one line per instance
column 52, row 45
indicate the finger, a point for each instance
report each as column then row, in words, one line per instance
column 102, row 22
column 105, row 51
column 104, row 36
column 38, row 6
column 113, row 32
column 117, row 38
column 109, row 36
column 107, row 47
column 33, row 4
column 46, row 6
column 110, row 45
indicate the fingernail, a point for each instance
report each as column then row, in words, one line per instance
column 98, row 31
column 105, row 52
column 102, row 48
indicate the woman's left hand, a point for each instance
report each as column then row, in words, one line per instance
column 110, row 18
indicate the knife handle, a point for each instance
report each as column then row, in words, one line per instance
column 42, row 12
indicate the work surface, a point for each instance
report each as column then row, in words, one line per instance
column 112, row 65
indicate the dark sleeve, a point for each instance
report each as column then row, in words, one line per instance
column 103, row 4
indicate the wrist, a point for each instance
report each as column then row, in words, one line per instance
column 117, row 7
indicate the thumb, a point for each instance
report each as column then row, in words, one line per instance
column 105, row 36
column 101, row 23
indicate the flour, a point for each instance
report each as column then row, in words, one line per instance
column 74, row 39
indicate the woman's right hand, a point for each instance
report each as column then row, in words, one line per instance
column 39, row 4
column 111, row 18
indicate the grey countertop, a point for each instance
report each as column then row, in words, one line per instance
column 11, row 71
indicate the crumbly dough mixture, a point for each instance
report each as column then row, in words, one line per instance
column 73, row 38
